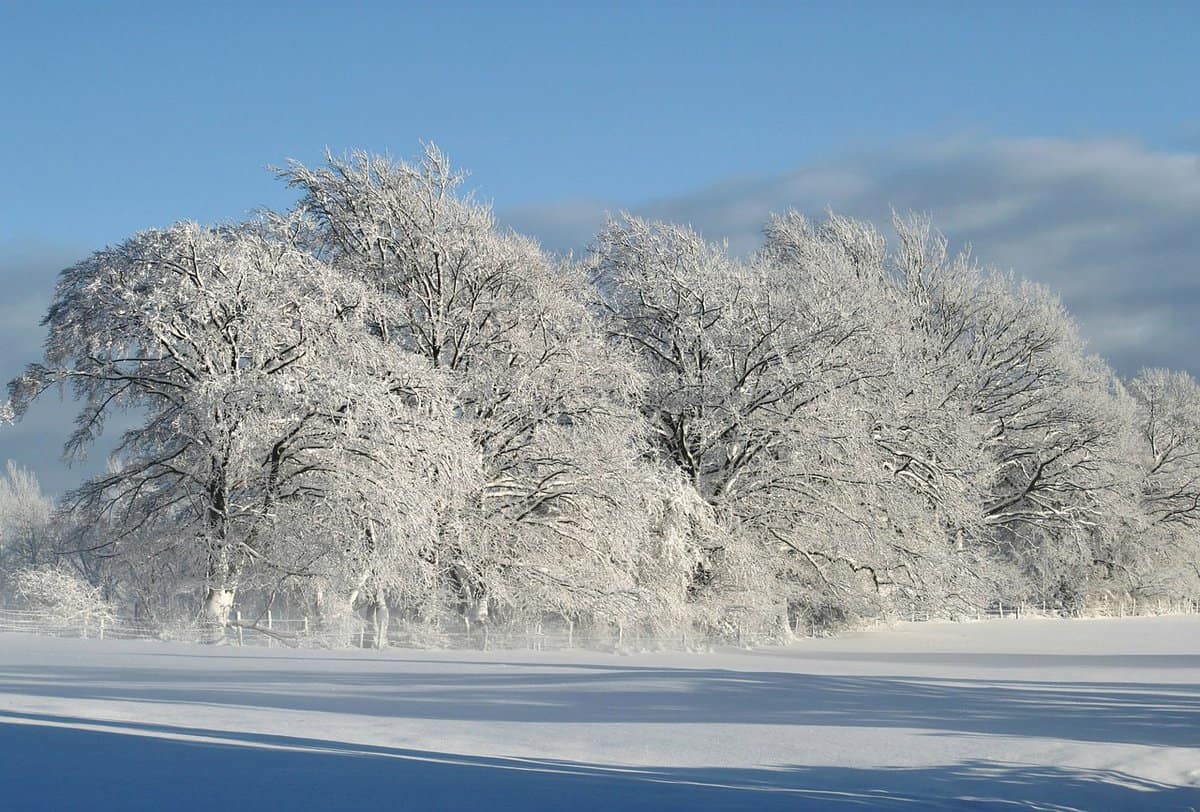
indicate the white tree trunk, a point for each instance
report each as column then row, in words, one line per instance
column 380, row 618
column 479, row 610
column 218, row 603
column 222, row 585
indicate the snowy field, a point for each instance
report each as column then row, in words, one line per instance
column 1045, row 714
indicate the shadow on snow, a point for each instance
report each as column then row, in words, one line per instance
column 1159, row 714
column 50, row 763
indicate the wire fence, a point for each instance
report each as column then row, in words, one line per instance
column 266, row 630
column 270, row 631
column 1096, row 607
column 100, row 627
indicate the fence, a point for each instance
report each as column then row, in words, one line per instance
column 98, row 627
column 269, row 631
column 1111, row 606
column 1126, row 606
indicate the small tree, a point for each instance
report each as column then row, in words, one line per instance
column 61, row 597
column 27, row 531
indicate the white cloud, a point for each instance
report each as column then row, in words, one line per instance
column 1112, row 226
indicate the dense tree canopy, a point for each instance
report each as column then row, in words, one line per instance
column 382, row 403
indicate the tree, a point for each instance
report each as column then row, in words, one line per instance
column 768, row 389
column 1007, row 356
column 28, row 534
column 925, row 453
column 382, row 403
column 1169, row 427
column 1162, row 557
column 62, row 596
column 545, row 400
column 241, row 351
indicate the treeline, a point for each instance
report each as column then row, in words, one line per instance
column 381, row 403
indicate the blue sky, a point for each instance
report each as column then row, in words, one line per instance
column 127, row 115
column 1060, row 139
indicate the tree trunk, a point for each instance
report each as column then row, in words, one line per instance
column 318, row 608
column 218, row 599
column 218, row 602
column 378, row 617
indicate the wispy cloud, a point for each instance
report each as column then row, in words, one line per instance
column 1112, row 226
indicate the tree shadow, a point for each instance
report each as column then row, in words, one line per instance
column 1144, row 713
column 1005, row 660
column 55, row 762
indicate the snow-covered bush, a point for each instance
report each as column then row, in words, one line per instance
column 60, row 596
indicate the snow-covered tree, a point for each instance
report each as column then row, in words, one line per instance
column 1169, row 427
column 381, row 402
column 924, row 458
column 769, row 382
column 544, row 398
column 1161, row 555
column 1010, row 356
column 243, row 353
column 27, row 531
column 61, row 596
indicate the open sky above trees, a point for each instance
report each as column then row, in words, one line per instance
column 1064, row 143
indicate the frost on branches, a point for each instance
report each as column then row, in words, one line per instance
column 61, row 597
column 382, row 408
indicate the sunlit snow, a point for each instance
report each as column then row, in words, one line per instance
column 1049, row 714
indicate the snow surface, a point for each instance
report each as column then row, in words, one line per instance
column 1049, row 714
